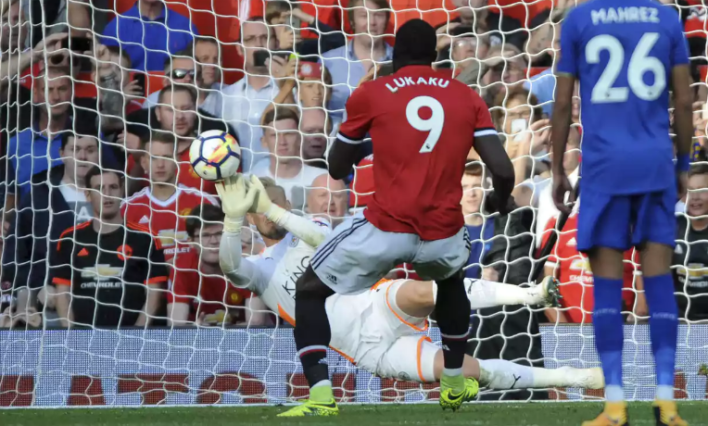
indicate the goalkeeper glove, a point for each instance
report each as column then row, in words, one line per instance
column 264, row 205
column 236, row 200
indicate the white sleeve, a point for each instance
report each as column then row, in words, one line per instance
column 313, row 232
column 242, row 273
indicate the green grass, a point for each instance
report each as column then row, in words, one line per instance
column 527, row 414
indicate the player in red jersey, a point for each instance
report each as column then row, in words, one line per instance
column 165, row 204
column 422, row 125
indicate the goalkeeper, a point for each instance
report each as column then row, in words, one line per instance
column 379, row 329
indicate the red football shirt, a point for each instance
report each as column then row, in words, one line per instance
column 206, row 294
column 422, row 125
column 166, row 219
column 188, row 177
column 575, row 276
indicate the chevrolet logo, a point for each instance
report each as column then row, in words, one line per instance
column 693, row 270
column 168, row 237
column 101, row 272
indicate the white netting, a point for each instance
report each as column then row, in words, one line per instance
column 67, row 106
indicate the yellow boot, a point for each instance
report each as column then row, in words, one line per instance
column 614, row 414
column 666, row 414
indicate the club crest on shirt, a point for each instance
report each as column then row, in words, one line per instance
column 293, row 241
column 125, row 252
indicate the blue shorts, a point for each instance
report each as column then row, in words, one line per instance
column 625, row 221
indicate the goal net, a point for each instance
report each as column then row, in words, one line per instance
column 99, row 103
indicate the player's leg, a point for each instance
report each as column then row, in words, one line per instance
column 500, row 374
column 655, row 234
column 443, row 260
column 417, row 358
column 312, row 334
column 417, row 298
column 353, row 258
column 604, row 234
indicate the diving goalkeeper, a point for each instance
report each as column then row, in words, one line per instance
column 379, row 329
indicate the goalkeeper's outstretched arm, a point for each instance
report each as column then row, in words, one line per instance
column 236, row 201
column 303, row 228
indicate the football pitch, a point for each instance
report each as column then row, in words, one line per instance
column 497, row 414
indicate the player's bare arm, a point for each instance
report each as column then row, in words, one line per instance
column 341, row 158
column 683, row 125
column 496, row 159
column 560, row 123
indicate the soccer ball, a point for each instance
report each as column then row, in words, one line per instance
column 215, row 155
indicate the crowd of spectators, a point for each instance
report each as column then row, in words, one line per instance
column 105, row 223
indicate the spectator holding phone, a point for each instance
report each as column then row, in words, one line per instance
column 519, row 119
column 288, row 18
column 150, row 32
column 246, row 100
column 118, row 95
column 351, row 62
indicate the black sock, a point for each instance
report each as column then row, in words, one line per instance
column 312, row 331
column 452, row 313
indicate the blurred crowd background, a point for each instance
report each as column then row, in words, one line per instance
column 101, row 99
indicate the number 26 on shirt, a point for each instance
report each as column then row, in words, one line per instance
column 639, row 64
column 433, row 125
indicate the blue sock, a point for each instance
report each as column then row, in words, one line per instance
column 663, row 327
column 609, row 333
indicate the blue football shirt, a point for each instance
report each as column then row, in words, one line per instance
column 622, row 52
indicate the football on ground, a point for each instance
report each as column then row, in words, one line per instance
column 215, row 155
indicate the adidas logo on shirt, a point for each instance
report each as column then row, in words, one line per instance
column 144, row 219
column 572, row 242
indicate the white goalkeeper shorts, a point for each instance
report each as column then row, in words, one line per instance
column 357, row 254
column 372, row 332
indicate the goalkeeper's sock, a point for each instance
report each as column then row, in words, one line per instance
column 312, row 336
column 452, row 313
column 663, row 328
column 487, row 294
column 609, row 333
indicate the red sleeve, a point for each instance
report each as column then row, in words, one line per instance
column 184, row 285
column 482, row 118
column 550, row 228
column 357, row 118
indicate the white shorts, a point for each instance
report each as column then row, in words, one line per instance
column 371, row 331
column 357, row 255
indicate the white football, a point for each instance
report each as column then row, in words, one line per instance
column 215, row 155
